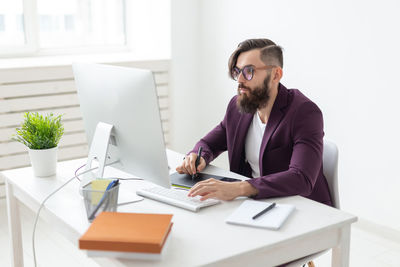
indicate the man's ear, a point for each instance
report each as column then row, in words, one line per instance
column 277, row 76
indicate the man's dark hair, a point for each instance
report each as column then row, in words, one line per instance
column 271, row 54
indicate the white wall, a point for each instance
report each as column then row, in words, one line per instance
column 148, row 27
column 185, row 17
column 343, row 54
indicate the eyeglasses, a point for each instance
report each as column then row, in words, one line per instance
column 247, row 71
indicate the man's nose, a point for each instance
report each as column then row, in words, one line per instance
column 241, row 78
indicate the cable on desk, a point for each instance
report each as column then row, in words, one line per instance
column 55, row 191
column 76, row 171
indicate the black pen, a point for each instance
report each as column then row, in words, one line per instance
column 270, row 207
column 196, row 164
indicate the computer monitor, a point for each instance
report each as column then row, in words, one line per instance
column 121, row 103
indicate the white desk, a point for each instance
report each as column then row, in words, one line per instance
column 201, row 238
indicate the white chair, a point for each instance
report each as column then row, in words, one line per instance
column 330, row 158
column 330, row 169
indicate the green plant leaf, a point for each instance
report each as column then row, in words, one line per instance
column 39, row 132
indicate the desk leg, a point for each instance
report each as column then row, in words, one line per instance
column 341, row 253
column 14, row 227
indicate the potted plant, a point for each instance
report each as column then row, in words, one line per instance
column 41, row 134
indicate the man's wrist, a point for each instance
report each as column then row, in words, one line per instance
column 247, row 190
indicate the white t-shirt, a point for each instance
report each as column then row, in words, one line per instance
column 253, row 144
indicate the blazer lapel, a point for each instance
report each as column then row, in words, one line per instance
column 274, row 119
column 239, row 141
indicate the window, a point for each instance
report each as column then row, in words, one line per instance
column 11, row 24
column 56, row 27
column 80, row 23
column 32, row 26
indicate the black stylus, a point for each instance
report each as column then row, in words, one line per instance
column 196, row 164
column 270, row 207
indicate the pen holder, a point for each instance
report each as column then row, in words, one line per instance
column 97, row 201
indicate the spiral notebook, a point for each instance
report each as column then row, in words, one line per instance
column 273, row 219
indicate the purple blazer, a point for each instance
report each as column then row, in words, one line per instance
column 291, row 149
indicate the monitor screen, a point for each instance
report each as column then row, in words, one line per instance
column 125, row 98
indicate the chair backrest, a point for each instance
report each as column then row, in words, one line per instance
column 330, row 169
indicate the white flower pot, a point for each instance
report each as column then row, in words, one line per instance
column 44, row 161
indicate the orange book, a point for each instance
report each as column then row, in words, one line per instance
column 127, row 232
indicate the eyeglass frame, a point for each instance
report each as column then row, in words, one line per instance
column 240, row 71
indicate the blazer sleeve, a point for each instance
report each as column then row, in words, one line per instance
column 305, row 162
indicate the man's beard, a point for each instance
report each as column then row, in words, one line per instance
column 255, row 99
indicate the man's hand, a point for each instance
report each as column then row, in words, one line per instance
column 188, row 165
column 212, row 188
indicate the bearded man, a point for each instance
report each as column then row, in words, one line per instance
column 273, row 135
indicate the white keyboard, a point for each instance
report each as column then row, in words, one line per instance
column 176, row 197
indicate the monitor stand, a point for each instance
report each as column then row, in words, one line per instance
column 98, row 151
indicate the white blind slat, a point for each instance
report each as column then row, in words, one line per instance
column 22, row 160
column 35, row 103
column 15, row 119
column 16, row 147
column 163, row 103
column 69, row 126
column 37, row 88
column 45, row 73
column 162, row 91
column 161, row 78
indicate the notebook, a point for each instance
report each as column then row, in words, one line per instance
column 135, row 233
column 273, row 219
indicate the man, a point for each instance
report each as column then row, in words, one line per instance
column 273, row 135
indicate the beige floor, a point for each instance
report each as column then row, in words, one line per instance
column 367, row 249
